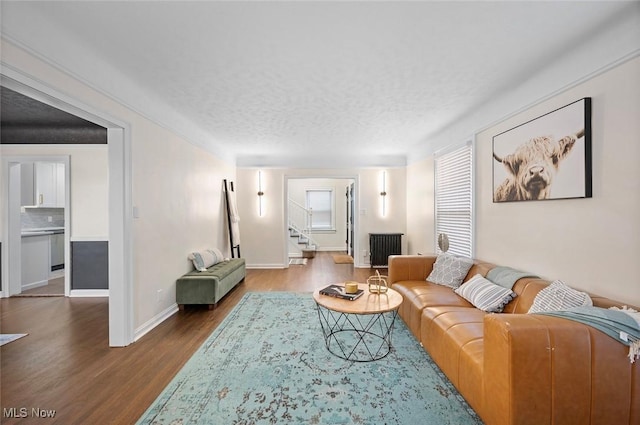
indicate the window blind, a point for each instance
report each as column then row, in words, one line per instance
column 454, row 199
column 321, row 203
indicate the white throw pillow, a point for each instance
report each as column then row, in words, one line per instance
column 204, row 259
column 558, row 296
column 218, row 254
column 450, row 270
column 485, row 295
column 197, row 261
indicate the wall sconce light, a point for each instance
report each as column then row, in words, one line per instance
column 383, row 194
column 260, row 195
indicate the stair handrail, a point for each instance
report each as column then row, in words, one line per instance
column 300, row 216
column 299, row 219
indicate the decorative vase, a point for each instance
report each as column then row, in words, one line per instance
column 377, row 283
column 443, row 242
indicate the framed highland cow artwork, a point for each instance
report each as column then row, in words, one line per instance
column 548, row 157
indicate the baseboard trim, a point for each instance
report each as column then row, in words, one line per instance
column 333, row 248
column 88, row 293
column 155, row 321
column 265, row 266
column 34, row 285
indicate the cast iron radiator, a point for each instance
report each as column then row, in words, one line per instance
column 382, row 245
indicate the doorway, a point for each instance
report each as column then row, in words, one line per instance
column 38, row 217
column 329, row 203
column 120, row 271
column 350, row 208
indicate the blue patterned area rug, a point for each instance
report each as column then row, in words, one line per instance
column 267, row 364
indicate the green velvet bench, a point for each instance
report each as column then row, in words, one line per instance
column 208, row 287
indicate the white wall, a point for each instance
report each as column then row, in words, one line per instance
column 264, row 238
column 177, row 189
column 89, row 180
column 592, row 244
column 420, row 207
column 178, row 192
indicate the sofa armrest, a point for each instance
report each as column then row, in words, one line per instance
column 410, row 267
column 541, row 369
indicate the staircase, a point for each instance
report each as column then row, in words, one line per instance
column 299, row 223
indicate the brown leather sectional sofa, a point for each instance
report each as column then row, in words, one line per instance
column 516, row 368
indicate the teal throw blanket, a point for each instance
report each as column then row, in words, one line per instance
column 506, row 276
column 618, row 325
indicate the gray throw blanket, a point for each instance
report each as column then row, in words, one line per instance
column 618, row 325
column 506, row 276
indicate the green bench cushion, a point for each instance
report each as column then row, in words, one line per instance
column 219, row 270
column 210, row 286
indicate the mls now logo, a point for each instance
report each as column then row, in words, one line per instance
column 23, row 412
column 42, row 413
column 15, row 412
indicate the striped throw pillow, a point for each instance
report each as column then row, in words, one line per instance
column 217, row 255
column 558, row 296
column 485, row 295
column 207, row 258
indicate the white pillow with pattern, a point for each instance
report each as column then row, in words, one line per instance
column 450, row 270
column 558, row 296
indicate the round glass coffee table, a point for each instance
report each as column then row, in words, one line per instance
column 358, row 330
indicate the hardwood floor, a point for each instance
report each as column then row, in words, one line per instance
column 65, row 364
column 55, row 288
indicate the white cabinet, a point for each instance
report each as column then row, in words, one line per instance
column 42, row 184
column 46, row 184
column 35, row 261
column 57, row 251
column 27, row 185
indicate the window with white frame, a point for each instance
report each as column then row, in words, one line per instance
column 454, row 199
column 321, row 204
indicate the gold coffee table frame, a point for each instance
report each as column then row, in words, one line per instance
column 368, row 321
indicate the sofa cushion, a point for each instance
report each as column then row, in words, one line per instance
column 450, row 270
column 558, row 296
column 420, row 294
column 217, row 271
column 446, row 330
column 485, row 295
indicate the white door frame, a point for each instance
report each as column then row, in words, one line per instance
column 121, row 325
column 356, row 181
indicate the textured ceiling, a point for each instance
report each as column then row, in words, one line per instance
column 304, row 80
